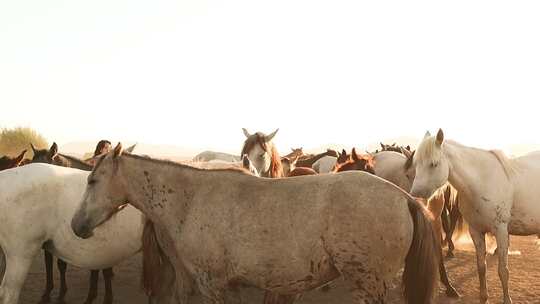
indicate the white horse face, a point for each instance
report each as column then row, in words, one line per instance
column 253, row 147
column 104, row 196
column 431, row 167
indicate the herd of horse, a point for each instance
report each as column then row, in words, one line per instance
column 284, row 224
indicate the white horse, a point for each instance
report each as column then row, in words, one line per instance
column 498, row 195
column 212, row 155
column 37, row 203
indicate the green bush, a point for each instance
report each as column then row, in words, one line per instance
column 14, row 141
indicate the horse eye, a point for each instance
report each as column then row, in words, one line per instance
column 92, row 182
column 262, row 155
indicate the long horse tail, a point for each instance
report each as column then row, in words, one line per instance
column 457, row 217
column 151, row 259
column 420, row 276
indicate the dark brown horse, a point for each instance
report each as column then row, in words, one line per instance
column 7, row 163
column 308, row 161
column 51, row 156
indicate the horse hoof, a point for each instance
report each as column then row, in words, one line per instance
column 452, row 293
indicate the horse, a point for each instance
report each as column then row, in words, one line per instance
column 51, row 156
column 355, row 162
column 288, row 164
column 325, row 164
column 497, row 195
column 295, row 153
column 301, row 171
column 392, row 166
column 7, row 163
column 282, row 235
column 308, row 161
column 263, row 153
column 212, row 155
column 46, row 196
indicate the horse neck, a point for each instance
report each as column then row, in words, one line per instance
column 72, row 162
column 309, row 162
column 469, row 167
column 161, row 191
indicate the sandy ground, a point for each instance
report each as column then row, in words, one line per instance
column 524, row 280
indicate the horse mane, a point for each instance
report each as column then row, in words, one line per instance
column 409, row 162
column 276, row 169
column 428, row 151
column 508, row 165
column 72, row 162
column 178, row 165
column 300, row 171
column 152, row 260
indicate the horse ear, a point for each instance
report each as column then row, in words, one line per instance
column 19, row 158
column 408, row 147
column 427, row 134
column 117, row 150
column 440, row 137
column 406, row 152
column 354, row 155
column 33, row 148
column 269, row 137
column 343, row 152
column 130, row 149
column 382, row 146
column 53, row 150
column 246, row 133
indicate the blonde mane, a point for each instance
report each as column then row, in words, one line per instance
column 509, row 166
column 428, row 151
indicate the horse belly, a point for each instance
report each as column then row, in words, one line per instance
column 524, row 219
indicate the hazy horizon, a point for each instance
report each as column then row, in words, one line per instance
column 193, row 73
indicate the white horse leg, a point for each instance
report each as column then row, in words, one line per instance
column 502, row 246
column 479, row 240
column 17, row 266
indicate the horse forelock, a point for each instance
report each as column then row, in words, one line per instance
column 252, row 141
column 428, row 151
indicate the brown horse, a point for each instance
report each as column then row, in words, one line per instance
column 301, row 171
column 7, row 163
column 51, row 156
column 308, row 161
column 354, row 162
column 295, row 153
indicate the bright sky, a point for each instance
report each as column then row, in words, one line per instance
column 193, row 73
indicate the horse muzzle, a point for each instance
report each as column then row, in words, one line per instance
column 81, row 228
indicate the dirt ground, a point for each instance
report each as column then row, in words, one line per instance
column 524, row 264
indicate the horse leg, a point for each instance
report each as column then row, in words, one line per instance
column 17, row 267
column 62, row 266
column 454, row 217
column 107, row 276
column 502, row 246
column 46, row 297
column 92, row 293
column 450, row 290
column 479, row 240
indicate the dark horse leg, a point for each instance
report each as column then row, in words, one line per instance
column 455, row 216
column 46, row 297
column 450, row 290
column 107, row 276
column 62, row 266
column 92, row 293
column 274, row 298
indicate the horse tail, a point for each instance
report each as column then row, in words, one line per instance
column 457, row 217
column 420, row 276
column 151, row 259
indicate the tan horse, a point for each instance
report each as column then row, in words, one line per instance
column 286, row 235
column 393, row 167
column 263, row 154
